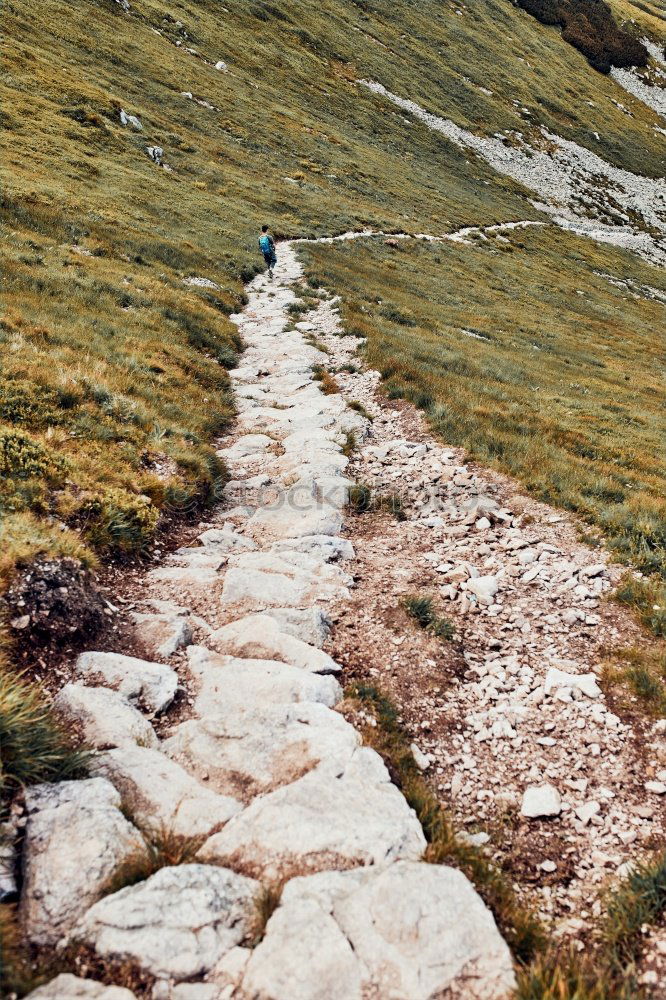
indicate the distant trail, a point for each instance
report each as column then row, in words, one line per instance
column 564, row 181
column 459, row 236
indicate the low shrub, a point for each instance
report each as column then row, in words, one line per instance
column 119, row 521
column 590, row 27
column 23, row 457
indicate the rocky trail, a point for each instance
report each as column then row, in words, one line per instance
column 299, row 871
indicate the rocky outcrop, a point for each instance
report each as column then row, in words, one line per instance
column 411, row 930
column 69, row 987
column 160, row 795
column 333, row 817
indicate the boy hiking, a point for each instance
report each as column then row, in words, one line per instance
column 267, row 247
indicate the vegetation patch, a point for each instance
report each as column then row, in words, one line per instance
column 641, row 672
column 607, row 971
column 648, row 598
column 590, row 27
column 327, row 382
column 363, row 499
column 35, row 747
column 420, row 607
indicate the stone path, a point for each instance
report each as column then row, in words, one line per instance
column 231, row 745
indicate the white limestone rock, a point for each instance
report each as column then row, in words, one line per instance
column 332, row 817
column 106, row 718
column 541, row 801
column 76, row 839
column 225, row 540
column 260, row 580
column 261, row 637
column 283, row 522
column 159, row 794
column 557, row 679
column 311, row 625
column 153, row 684
column 248, row 444
column 69, row 987
column 200, row 578
column 160, row 635
column 249, row 752
column 229, row 683
column 412, row 931
column 178, row 923
column 484, row 588
column 326, row 547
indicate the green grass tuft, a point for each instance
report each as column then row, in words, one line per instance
column 420, row 607
column 35, row 747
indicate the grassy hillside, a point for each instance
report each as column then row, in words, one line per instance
column 524, row 350
column 114, row 377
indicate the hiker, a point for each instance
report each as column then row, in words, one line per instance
column 267, row 247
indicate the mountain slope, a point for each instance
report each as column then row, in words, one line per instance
column 115, row 377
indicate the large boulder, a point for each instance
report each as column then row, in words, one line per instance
column 69, row 987
column 336, row 816
column 105, row 718
column 76, row 839
column 248, row 752
column 160, row 795
column 261, row 637
column 152, row 684
column 412, row 931
column 178, row 923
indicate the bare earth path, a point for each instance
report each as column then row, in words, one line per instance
column 226, row 738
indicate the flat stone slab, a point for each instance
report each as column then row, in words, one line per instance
column 69, row 987
column 284, row 522
column 322, row 547
column 160, row 795
column 225, row 540
column 259, row 580
column 251, row 752
column 248, row 444
column 333, row 817
column 154, row 684
column 192, row 577
column 106, row 718
column 229, row 683
column 412, row 931
column 178, row 923
column 261, row 637
column 76, row 839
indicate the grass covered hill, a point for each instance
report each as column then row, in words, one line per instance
column 114, row 375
